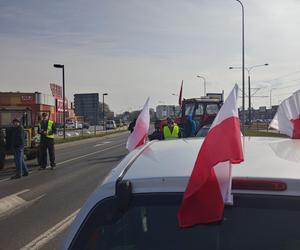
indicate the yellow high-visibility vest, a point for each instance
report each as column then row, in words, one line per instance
column 49, row 128
column 167, row 133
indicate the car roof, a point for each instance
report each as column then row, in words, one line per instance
column 172, row 161
column 264, row 157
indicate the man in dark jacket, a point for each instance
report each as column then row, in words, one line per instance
column 131, row 126
column 18, row 143
column 47, row 130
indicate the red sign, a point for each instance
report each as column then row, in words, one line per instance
column 56, row 90
column 59, row 105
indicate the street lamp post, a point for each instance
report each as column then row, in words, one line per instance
column 243, row 66
column 249, row 85
column 61, row 66
column 104, row 94
column 271, row 97
column 202, row 77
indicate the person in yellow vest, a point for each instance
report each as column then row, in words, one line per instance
column 171, row 131
column 47, row 130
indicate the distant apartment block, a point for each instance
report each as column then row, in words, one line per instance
column 87, row 105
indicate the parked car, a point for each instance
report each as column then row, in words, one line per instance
column 110, row 124
column 136, row 205
column 74, row 125
column 119, row 123
column 70, row 125
column 86, row 125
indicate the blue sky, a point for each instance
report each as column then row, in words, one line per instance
column 137, row 48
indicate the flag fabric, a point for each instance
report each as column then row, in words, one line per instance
column 140, row 132
column 287, row 118
column 180, row 94
column 209, row 186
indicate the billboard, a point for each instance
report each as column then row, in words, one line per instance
column 56, row 90
column 218, row 96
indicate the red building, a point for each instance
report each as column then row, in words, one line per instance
column 36, row 102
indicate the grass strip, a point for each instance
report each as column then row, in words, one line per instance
column 249, row 132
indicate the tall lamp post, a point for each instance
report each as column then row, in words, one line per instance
column 271, row 97
column 243, row 66
column 202, row 77
column 104, row 94
column 61, row 66
column 249, row 85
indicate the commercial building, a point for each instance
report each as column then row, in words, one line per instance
column 87, row 105
column 35, row 103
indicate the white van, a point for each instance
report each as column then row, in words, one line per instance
column 110, row 124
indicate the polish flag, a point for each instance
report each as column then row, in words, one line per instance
column 209, row 186
column 140, row 132
column 180, row 95
column 287, row 118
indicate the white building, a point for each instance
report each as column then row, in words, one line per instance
column 163, row 111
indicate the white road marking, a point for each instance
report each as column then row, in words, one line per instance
column 93, row 153
column 102, row 143
column 11, row 202
column 44, row 238
column 6, row 179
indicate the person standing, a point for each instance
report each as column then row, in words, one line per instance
column 189, row 127
column 171, row 131
column 131, row 126
column 47, row 130
column 18, row 143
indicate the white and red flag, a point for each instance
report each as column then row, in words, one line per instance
column 287, row 118
column 141, row 128
column 180, row 94
column 209, row 186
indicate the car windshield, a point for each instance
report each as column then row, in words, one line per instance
column 151, row 224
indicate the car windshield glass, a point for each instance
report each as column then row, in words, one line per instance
column 254, row 222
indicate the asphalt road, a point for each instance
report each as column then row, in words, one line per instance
column 34, row 208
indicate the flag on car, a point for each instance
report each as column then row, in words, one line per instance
column 210, row 182
column 180, row 94
column 140, row 132
column 287, row 118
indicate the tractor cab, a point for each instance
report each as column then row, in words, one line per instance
column 203, row 110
